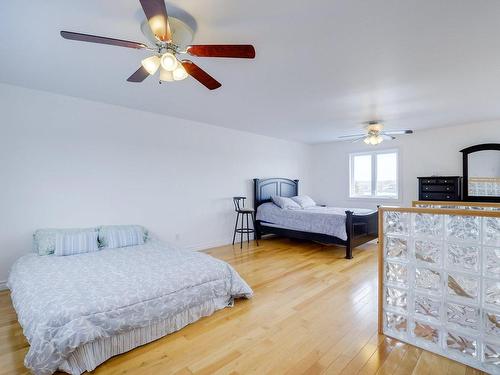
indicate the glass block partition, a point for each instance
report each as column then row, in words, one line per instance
column 439, row 278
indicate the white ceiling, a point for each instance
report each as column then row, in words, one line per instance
column 322, row 66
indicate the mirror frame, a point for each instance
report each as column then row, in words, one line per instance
column 465, row 154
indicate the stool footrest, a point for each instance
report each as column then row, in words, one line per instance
column 245, row 230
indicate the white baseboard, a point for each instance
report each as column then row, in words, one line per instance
column 206, row 245
column 3, row 285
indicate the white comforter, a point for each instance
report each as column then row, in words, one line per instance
column 64, row 302
column 317, row 219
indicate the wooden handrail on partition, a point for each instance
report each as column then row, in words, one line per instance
column 440, row 211
column 455, row 203
column 495, row 180
column 380, row 259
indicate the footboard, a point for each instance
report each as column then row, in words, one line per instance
column 360, row 229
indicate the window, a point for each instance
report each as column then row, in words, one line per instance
column 374, row 175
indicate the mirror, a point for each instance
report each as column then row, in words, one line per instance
column 482, row 172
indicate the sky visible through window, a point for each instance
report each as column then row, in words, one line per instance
column 379, row 167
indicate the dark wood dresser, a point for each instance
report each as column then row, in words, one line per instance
column 437, row 188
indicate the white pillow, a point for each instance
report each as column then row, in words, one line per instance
column 304, row 201
column 285, row 203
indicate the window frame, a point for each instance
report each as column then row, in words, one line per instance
column 374, row 154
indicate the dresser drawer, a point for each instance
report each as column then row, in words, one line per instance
column 446, row 180
column 438, row 188
column 439, row 196
column 428, row 181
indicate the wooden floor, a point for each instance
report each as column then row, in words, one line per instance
column 313, row 313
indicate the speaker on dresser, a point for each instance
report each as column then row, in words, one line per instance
column 438, row 188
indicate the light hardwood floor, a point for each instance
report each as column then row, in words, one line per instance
column 313, row 313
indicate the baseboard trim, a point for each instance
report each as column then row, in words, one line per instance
column 3, row 285
column 205, row 246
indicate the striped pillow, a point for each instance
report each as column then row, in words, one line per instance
column 75, row 243
column 44, row 240
column 114, row 236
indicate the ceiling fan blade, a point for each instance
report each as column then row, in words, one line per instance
column 353, row 136
column 200, row 75
column 397, row 132
column 101, row 40
column 242, row 51
column 387, row 137
column 156, row 13
column 140, row 75
column 358, row 139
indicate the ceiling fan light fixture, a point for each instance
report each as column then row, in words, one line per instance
column 169, row 62
column 374, row 126
column 179, row 73
column 373, row 139
column 374, row 134
column 166, row 75
column 168, row 37
column 151, row 64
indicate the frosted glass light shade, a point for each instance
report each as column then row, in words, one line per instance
column 168, row 62
column 165, row 75
column 151, row 64
column 373, row 139
column 180, row 73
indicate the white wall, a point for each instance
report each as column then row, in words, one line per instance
column 425, row 153
column 67, row 162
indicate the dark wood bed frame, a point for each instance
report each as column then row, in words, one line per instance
column 360, row 228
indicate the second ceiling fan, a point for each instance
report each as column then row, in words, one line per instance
column 375, row 134
column 170, row 38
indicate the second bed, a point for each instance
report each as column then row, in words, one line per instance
column 328, row 225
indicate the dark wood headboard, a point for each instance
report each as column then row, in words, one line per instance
column 264, row 188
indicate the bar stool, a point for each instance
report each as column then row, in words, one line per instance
column 239, row 207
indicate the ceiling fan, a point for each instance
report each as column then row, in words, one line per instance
column 169, row 38
column 374, row 134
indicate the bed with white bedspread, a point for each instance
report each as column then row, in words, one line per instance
column 77, row 311
column 301, row 218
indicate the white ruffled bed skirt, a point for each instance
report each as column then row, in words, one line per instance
column 87, row 357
